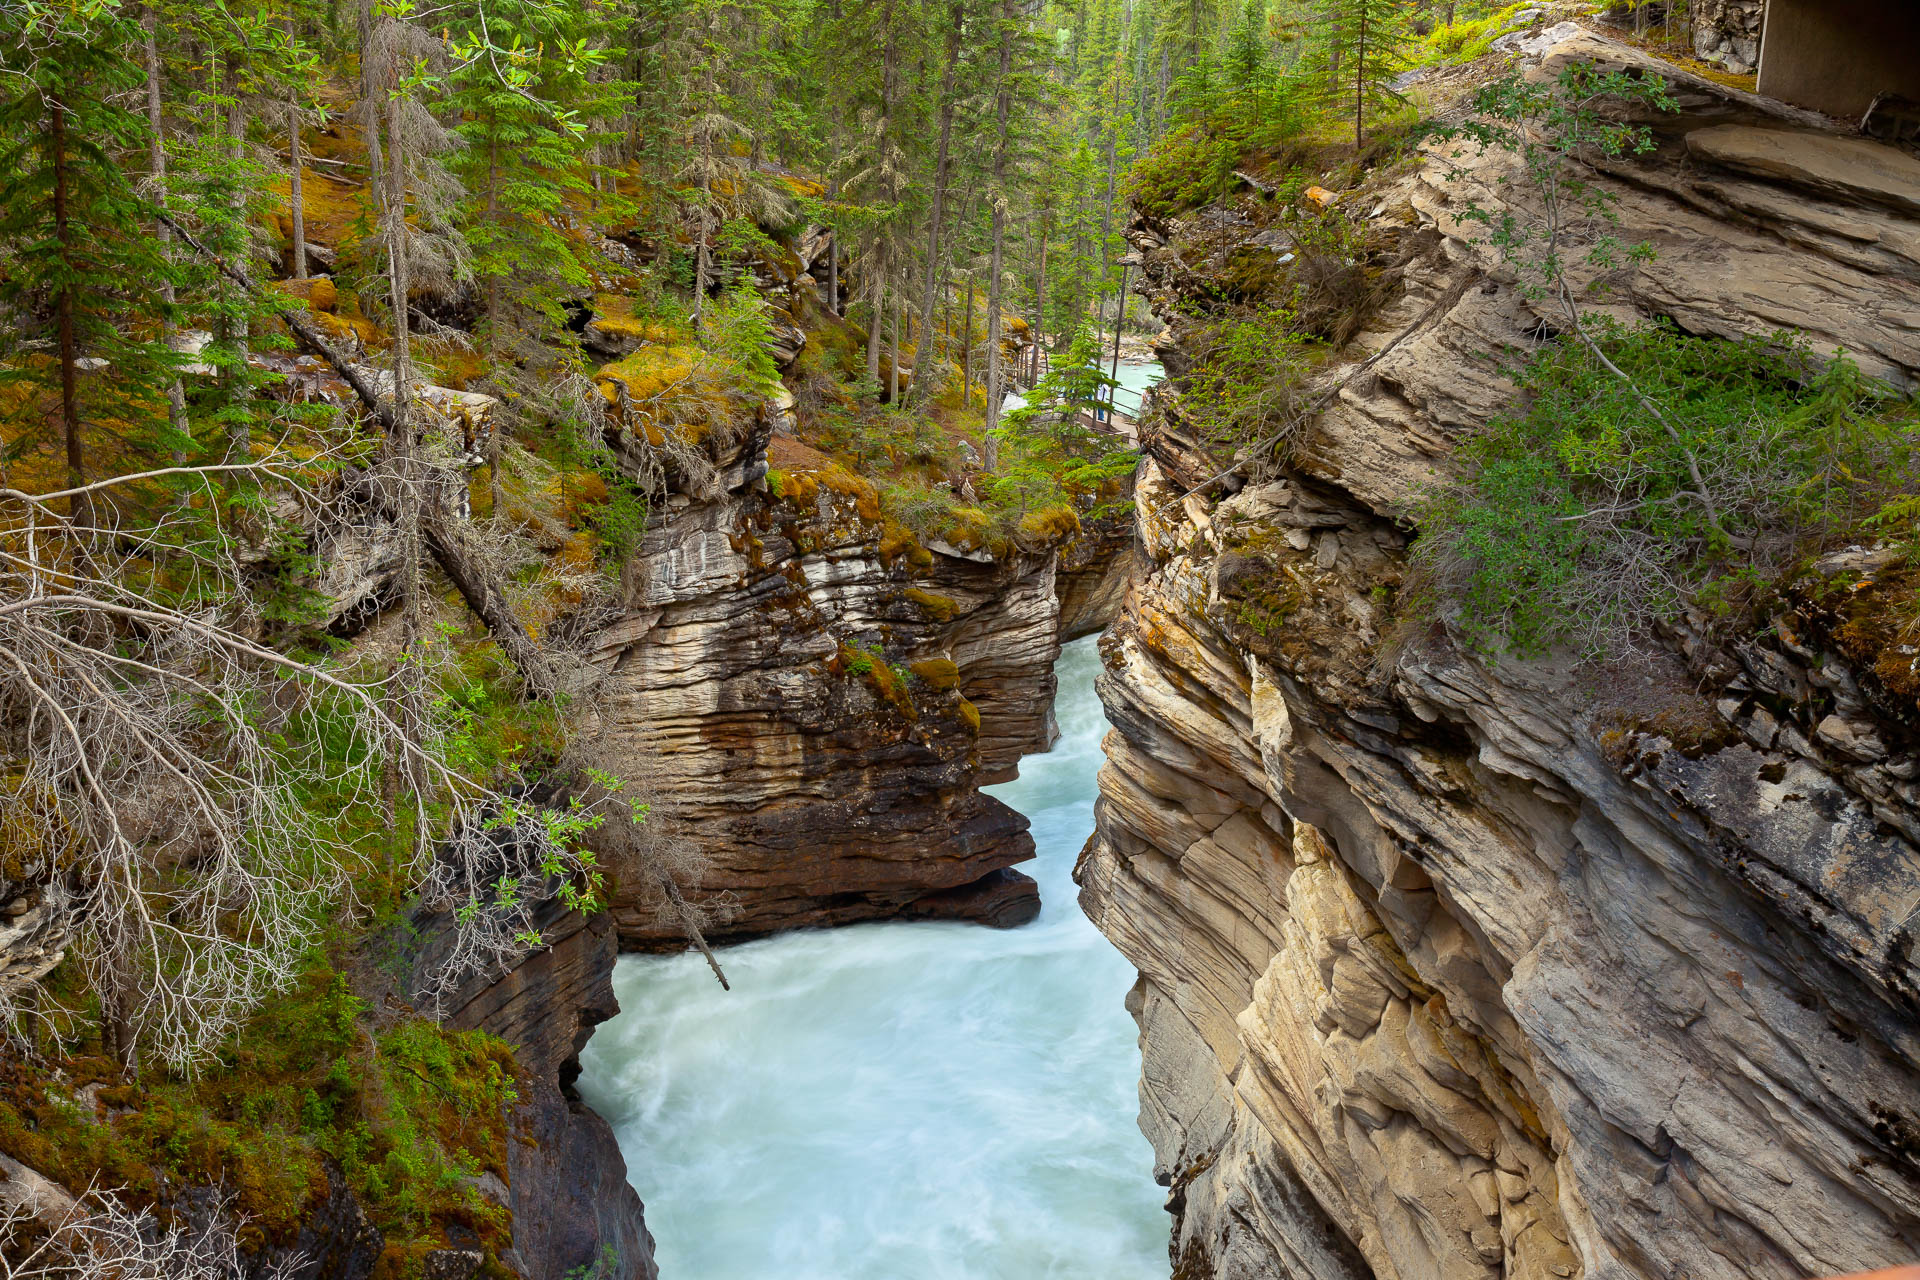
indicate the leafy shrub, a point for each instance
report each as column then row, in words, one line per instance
column 1576, row 519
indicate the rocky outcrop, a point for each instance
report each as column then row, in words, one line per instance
column 1094, row 571
column 812, row 696
column 37, row 925
column 1728, row 32
column 1454, row 968
column 574, row 1213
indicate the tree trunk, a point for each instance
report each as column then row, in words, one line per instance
column 893, row 373
column 1113, row 160
column 946, row 319
column 1040, row 297
column 370, row 95
column 496, row 496
column 157, row 165
column 239, row 443
column 833, row 257
column 1359, row 80
column 401, row 446
column 955, row 17
column 702, row 264
column 1002, row 116
column 63, row 312
column 966, row 351
column 876, row 312
column 295, row 188
column 400, row 434
column 833, row 187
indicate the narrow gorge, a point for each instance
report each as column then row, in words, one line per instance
column 968, row 640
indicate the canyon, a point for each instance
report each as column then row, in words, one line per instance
column 1446, row 966
column 1454, row 967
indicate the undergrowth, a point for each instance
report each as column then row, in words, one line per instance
column 411, row 1115
column 1575, row 519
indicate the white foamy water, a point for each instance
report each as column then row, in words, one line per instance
column 898, row 1101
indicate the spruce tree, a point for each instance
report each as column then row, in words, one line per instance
column 1048, row 453
column 1360, row 49
column 84, row 269
column 533, row 111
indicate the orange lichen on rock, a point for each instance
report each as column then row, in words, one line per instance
column 673, row 389
column 936, row 673
column 318, row 292
column 333, row 210
column 1050, row 524
column 866, row 499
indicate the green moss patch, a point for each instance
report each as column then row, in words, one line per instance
column 936, row 673
column 411, row 1115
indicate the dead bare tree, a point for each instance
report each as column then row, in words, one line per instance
column 651, row 845
column 101, row 1236
column 185, row 774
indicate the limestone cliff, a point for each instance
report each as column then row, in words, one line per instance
column 812, row 697
column 1461, row 969
column 814, row 712
column 573, row 1210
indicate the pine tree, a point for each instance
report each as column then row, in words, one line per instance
column 533, row 111
column 1184, row 36
column 1049, row 454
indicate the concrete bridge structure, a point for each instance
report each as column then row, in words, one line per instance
column 1838, row 56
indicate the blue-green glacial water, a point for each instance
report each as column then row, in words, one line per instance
column 898, row 1101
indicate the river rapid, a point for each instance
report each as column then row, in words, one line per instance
column 925, row 1101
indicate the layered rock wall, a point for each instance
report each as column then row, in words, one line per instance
column 811, row 700
column 574, row 1212
column 1451, row 968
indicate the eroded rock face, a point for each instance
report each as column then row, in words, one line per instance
column 1457, row 969
column 1093, row 577
column 812, row 702
column 573, row 1209
column 38, row 921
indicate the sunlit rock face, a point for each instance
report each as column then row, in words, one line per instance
column 811, row 701
column 1452, row 968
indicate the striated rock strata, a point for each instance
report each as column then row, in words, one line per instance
column 574, row 1213
column 1457, row 969
column 813, row 698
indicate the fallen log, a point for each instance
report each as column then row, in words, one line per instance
column 440, row 530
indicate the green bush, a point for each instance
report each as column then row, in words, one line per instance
column 1469, row 38
column 1189, row 167
column 1246, row 380
column 1577, row 520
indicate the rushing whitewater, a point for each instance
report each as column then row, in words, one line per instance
column 898, row 1101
